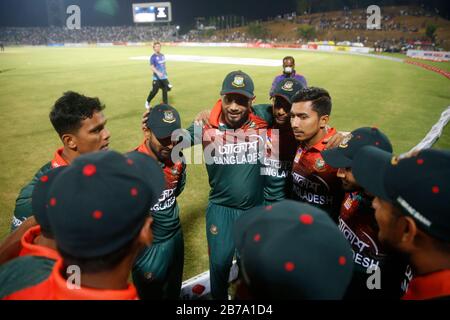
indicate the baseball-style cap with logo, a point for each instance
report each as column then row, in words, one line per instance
column 163, row 120
column 287, row 88
column 238, row 82
column 418, row 185
column 292, row 250
column 39, row 202
column 100, row 202
column 342, row 156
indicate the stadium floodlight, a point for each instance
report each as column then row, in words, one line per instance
column 152, row 12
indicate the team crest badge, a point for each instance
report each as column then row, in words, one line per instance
column 319, row 165
column 169, row 117
column 238, row 82
column 288, row 86
column 344, row 143
column 174, row 171
column 213, row 229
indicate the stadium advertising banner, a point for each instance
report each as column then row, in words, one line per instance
column 429, row 55
column 152, row 12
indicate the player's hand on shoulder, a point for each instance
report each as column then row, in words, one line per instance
column 145, row 118
column 202, row 118
column 335, row 140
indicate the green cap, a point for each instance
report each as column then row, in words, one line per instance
column 292, row 250
column 342, row 156
column 419, row 185
column 163, row 120
column 238, row 82
column 39, row 199
column 287, row 88
column 100, row 202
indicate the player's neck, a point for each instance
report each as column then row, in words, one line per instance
column 428, row 261
column 45, row 242
column 115, row 279
column 69, row 155
column 316, row 138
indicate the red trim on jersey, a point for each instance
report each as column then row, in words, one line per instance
column 56, row 288
column 430, row 286
column 58, row 160
column 31, row 249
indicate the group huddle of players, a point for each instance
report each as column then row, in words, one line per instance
column 308, row 211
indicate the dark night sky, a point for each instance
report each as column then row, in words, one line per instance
column 33, row 12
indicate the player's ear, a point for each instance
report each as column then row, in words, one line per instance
column 69, row 140
column 409, row 233
column 147, row 133
column 324, row 121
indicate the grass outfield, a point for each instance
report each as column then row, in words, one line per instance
column 402, row 100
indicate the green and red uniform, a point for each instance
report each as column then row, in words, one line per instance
column 23, row 210
column 158, row 270
column 279, row 153
column 357, row 223
column 234, row 173
column 45, row 282
column 314, row 181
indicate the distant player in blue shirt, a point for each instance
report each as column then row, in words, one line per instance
column 160, row 80
column 288, row 72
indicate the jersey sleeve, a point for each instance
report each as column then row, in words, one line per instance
column 264, row 111
column 195, row 134
column 23, row 209
column 182, row 183
column 153, row 60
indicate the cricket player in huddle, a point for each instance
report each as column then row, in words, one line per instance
column 231, row 163
column 158, row 270
column 81, row 126
column 313, row 180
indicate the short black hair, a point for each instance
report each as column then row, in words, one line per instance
column 72, row 108
column 320, row 98
column 289, row 58
column 98, row 264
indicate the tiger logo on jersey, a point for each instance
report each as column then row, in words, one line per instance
column 319, row 165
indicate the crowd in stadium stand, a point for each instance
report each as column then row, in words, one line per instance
column 54, row 35
column 356, row 20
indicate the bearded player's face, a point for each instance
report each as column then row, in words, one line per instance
column 348, row 179
column 305, row 122
column 281, row 109
column 92, row 135
column 235, row 110
column 161, row 147
column 389, row 221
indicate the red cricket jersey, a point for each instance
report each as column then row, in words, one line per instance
column 314, row 181
column 55, row 287
column 430, row 286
